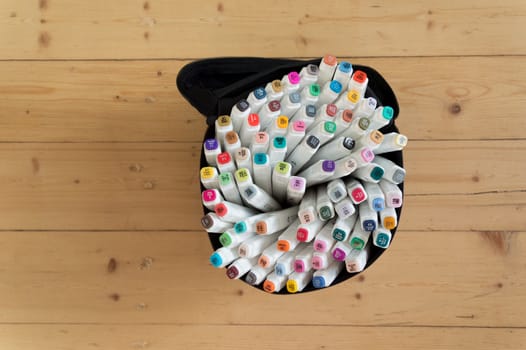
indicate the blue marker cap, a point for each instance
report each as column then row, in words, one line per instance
column 260, row 93
column 280, row 142
column 240, row 227
column 280, row 269
column 378, row 204
column 216, row 260
column 295, row 97
column 211, row 144
column 345, row 67
column 310, row 111
column 318, row 282
column 388, row 113
column 260, row 158
column 336, row 86
column 369, row 225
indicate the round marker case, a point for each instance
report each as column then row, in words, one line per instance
column 214, row 85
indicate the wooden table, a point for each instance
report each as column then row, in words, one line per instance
column 99, row 197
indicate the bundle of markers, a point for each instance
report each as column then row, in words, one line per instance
column 296, row 183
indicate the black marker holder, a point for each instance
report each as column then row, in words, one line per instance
column 213, row 86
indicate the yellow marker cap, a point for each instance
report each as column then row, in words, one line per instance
column 208, row 172
column 353, row 96
column 283, row 122
column 292, row 286
column 224, row 120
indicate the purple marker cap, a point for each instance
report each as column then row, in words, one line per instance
column 328, row 165
column 294, row 77
column 211, row 144
column 297, row 183
column 338, row 254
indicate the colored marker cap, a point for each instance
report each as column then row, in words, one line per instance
column 283, row 121
column 261, row 137
column 399, row 175
column 353, row 96
column 292, row 286
column 243, row 105
column 261, row 227
column 364, row 123
column 295, row 97
column 313, row 141
column 382, row 240
column 359, row 76
column 231, row 137
column 225, row 179
column 335, row 86
column 326, row 213
column 274, row 106
column 388, row 113
column 310, row 111
column 280, row 142
column 313, row 69
column 207, row 172
column 330, row 60
column 211, row 144
column 269, row 286
column 314, row 89
column 209, row 195
column 331, row 110
column 224, row 120
column 283, row 245
column 225, row 239
column 207, row 222
column 216, row 260
column 297, row 183
column 328, row 166
column 251, row 277
column 299, row 266
column 378, row 204
column 377, row 173
column 338, row 254
column 320, row 246
column 358, row 195
column 318, row 282
column 302, row 234
column 345, row 67
column 276, row 85
column 330, row 127
column 298, row 126
column 367, row 155
column 294, row 78
column 317, row 262
column 349, row 143
column 260, row 158
column 357, row 243
column 347, row 116
column 389, row 223
column 224, row 158
column 282, row 167
column 242, row 175
column 240, row 227
column 253, row 119
column 221, row 209
column 232, row 272
column 369, row 225
column 263, row 261
column 260, row 93
column 338, row 234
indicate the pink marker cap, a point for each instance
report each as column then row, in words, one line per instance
column 294, row 78
column 317, row 263
column 209, row 195
column 331, row 110
column 297, row 183
column 302, row 234
column 367, row 155
column 338, row 254
column 299, row 266
column 320, row 246
column 299, row 125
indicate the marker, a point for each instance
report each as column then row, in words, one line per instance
column 249, row 129
column 324, row 206
column 309, row 75
column 243, row 159
column 307, row 232
column 274, row 90
column 359, row 237
column 290, row 82
column 255, row 245
column 370, row 173
column 303, row 152
column 392, row 172
column 340, row 251
column 324, row 241
column 240, row 267
column 243, row 179
column 257, row 99
column 324, row 132
column 209, row 177
column 211, row 149
column 381, row 117
column 344, row 167
column 343, row 227
column 211, row 197
column 326, row 69
column 358, row 82
column 388, row 218
column 269, row 256
column 295, row 190
column 257, row 274
column 232, row 142
column 375, row 196
column 326, row 113
column 277, row 150
column 356, row 191
column 306, row 114
column 260, row 143
column 303, row 259
column 298, row 281
column 344, row 208
column 343, row 121
column 324, row 278
column 262, row 172
column 295, row 133
column 307, row 207
column 371, row 139
column 280, row 180
column 310, row 94
column 382, row 237
column 365, row 108
column 257, row 198
column 336, row 190
column 278, row 127
column 329, row 92
column 249, row 224
column 276, row 221
column 270, row 111
column 285, row 264
column 223, row 125
column 393, row 194
column 229, row 188
column 343, row 73
column 320, row 260
column 225, row 163
column 393, row 141
column 275, row 283
column 363, row 156
column 287, row 240
column 290, row 104
column 223, row 256
column 318, row 172
column 357, row 260
column 348, row 100
column 232, row 212
column 231, row 239
column 368, row 217
column 212, row 223
column 239, row 113
column 357, row 128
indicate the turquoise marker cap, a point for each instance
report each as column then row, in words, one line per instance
column 216, row 260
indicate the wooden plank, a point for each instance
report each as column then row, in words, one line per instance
column 138, row 100
column 143, row 29
column 159, row 337
column 426, row 278
column 156, row 186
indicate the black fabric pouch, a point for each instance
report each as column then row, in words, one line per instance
column 213, row 86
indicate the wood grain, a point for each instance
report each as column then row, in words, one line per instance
column 425, row 279
column 114, row 101
column 156, row 186
column 225, row 337
column 99, row 29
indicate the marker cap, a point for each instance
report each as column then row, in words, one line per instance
column 359, row 76
column 211, row 144
column 260, row 93
column 299, row 126
column 294, row 77
column 330, row 60
column 260, row 158
column 253, row 119
column 345, row 67
column 243, row 105
column 314, row 89
column 328, row 166
column 335, row 86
